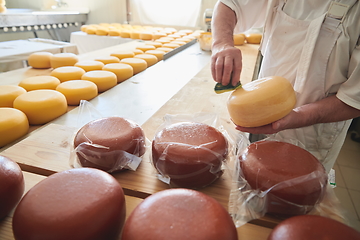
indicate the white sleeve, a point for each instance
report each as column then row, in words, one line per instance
column 249, row 13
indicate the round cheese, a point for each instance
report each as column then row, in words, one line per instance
column 40, row 60
column 67, row 73
column 294, row 178
column 149, row 58
column 145, row 47
column 311, row 227
column 261, row 102
column 77, row 204
column 171, row 45
column 123, row 54
column 77, row 90
column 108, row 59
column 12, row 185
column 90, row 30
column 137, row 64
column 163, row 40
column 13, row 125
column 254, row 38
column 179, row 214
column 125, row 34
column 104, row 80
column 135, row 35
column 90, row 65
column 109, row 143
column 174, row 36
column 121, row 70
column 159, row 35
column 165, row 49
column 63, row 59
column 8, row 93
column 39, row 82
column 102, row 31
column 178, row 42
column 146, row 36
column 114, row 32
column 157, row 53
column 239, row 39
column 155, row 44
column 190, row 154
column 184, row 39
column 187, row 31
column 41, row 106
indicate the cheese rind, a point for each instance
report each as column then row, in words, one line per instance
column 67, row 73
column 13, row 125
column 149, row 58
column 40, row 60
column 121, row 70
column 77, row 90
column 90, row 65
column 39, row 82
column 104, row 80
column 137, row 64
column 63, row 59
column 41, row 106
column 8, row 93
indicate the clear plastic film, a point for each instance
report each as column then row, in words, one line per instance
column 107, row 156
column 184, row 163
column 247, row 203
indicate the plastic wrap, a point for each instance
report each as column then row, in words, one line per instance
column 114, row 153
column 192, row 151
column 307, row 194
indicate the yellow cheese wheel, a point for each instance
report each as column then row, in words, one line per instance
column 137, row 64
column 155, row 44
column 8, row 93
column 125, row 34
column 171, row 45
column 104, row 80
column 121, row 70
column 164, row 49
column 123, row 54
column 40, row 60
column 145, row 47
column 114, row 32
column 138, row 51
column 67, row 73
column 107, row 59
column 41, row 106
column 178, row 42
column 174, row 36
column 135, row 35
column 63, row 59
column 184, row 39
column 149, row 58
column 3, row 9
column 90, row 30
column 146, row 35
column 90, row 65
column 157, row 53
column 188, row 37
column 163, row 41
column 101, row 31
column 159, row 35
column 254, row 38
column 239, row 39
column 77, row 90
column 13, row 125
column 187, row 31
column 83, row 28
column 261, row 102
column 39, row 82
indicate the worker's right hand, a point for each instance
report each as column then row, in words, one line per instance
column 226, row 64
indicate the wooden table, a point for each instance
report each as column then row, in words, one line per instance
column 47, row 149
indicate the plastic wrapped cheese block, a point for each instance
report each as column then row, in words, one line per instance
column 290, row 177
column 39, row 82
column 12, row 185
column 179, row 214
column 63, row 59
column 40, row 60
column 121, row 70
column 189, row 154
column 67, row 73
column 311, row 227
column 261, row 101
column 77, row 90
column 13, row 125
column 41, row 106
column 104, row 80
column 110, row 144
column 8, row 93
column 77, row 204
column 137, row 64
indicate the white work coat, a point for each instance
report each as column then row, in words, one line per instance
column 316, row 47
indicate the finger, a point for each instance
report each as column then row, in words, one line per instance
column 227, row 71
column 237, row 70
column 219, row 64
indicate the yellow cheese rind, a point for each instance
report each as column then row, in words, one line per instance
column 137, row 64
column 254, row 38
column 63, row 59
column 67, row 73
column 77, row 90
column 13, row 125
column 104, row 80
column 39, row 82
column 41, row 106
column 90, row 65
column 8, row 93
column 261, row 102
column 40, row 60
column 239, row 39
column 121, row 70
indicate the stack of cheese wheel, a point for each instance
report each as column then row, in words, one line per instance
column 293, row 179
column 311, row 227
column 8, row 93
column 261, row 102
column 109, row 143
column 77, row 204
column 190, row 154
column 179, row 214
column 12, row 185
column 14, row 124
column 40, row 60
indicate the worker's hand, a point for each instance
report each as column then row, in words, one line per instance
column 226, row 64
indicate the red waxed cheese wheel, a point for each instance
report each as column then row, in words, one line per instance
column 77, row 204
column 108, row 143
column 190, row 154
column 299, row 177
column 179, row 214
column 312, row 227
column 11, row 185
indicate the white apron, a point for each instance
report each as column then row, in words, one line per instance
column 309, row 44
